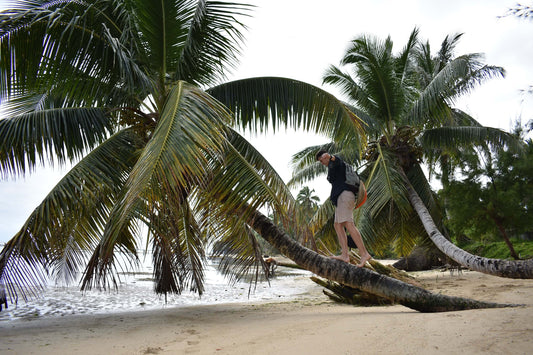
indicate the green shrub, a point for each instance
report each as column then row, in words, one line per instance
column 499, row 250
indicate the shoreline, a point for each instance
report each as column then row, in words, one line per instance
column 314, row 325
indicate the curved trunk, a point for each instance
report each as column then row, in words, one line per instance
column 506, row 239
column 369, row 281
column 517, row 269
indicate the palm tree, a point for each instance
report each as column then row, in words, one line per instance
column 307, row 201
column 132, row 92
column 405, row 100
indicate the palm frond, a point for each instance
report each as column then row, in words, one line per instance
column 53, row 134
column 247, row 178
column 239, row 253
column 177, row 249
column 446, row 50
column 245, row 182
column 461, row 118
column 305, row 174
column 321, row 225
column 386, row 190
column 189, row 136
column 382, row 92
column 82, row 41
column 267, row 102
column 456, row 78
column 70, row 220
column 399, row 233
column 212, row 43
column 404, row 62
column 450, row 137
column 349, row 87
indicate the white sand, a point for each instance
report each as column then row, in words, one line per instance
column 313, row 325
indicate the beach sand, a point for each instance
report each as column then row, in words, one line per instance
column 311, row 325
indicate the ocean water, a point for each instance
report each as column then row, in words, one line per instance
column 136, row 293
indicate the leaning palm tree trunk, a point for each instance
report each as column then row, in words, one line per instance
column 366, row 280
column 517, row 269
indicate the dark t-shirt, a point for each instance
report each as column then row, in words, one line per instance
column 337, row 178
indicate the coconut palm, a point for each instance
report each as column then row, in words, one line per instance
column 307, row 201
column 132, row 93
column 406, row 100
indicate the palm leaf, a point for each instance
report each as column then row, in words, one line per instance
column 245, row 182
column 189, row 135
column 263, row 103
column 177, row 249
column 53, row 134
column 82, row 41
column 212, row 43
column 71, row 218
column 239, row 253
column 386, row 189
column 305, row 167
column 246, row 179
column 458, row 77
column 451, row 137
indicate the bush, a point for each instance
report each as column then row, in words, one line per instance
column 499, row 250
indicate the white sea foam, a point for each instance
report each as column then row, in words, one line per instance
column 136, row 293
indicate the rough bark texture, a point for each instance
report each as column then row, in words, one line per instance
column 345, row 294
column 369, row 281
column 517, row 269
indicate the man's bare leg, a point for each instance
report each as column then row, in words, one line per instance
column 343, row 241
column 356, row 236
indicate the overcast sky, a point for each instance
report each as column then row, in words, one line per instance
column 299, row 39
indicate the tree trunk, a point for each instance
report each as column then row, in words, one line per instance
column 507, row 240
column 422, row 258
column 369, row 281
column 517, row 269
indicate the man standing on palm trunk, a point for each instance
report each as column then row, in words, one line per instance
column 343, row 197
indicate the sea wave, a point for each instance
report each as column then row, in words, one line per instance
column 136, row 293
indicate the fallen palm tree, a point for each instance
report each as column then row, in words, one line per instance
column 364, row 279
column 345, row 294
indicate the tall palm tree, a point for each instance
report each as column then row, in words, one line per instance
column 406, row 101
column 307, row 201
column 132, row 92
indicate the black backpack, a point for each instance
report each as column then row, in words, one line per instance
column 353, row 179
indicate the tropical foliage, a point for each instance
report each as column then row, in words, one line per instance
column 406, row 100
column 492, row 200
column 133, row 93
column 308, row 202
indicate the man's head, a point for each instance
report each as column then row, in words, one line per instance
column 323, row 157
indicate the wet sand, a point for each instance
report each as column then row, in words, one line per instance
column 310, row 325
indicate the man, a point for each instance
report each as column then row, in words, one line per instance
column 343, row 197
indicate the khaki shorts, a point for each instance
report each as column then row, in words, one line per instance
column 345, row 206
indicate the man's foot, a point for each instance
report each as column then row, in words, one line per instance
column 364, row 259
column 344, row 258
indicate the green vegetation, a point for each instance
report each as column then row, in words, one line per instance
column 133, row 94
column 493, row 199
column 406, row 98
column 499, row 250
